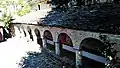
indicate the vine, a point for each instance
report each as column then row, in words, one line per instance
column 110, row 53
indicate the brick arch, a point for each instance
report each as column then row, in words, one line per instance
column 66, row 46
column 91, row 43
column 92, row 46
column 65, row 39
column 47, row 35
column 38, row 35
column 30, row 33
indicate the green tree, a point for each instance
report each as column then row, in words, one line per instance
column 25, row 7
column 6, row 15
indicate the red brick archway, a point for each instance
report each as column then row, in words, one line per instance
column 49, row 40
column 66, row 46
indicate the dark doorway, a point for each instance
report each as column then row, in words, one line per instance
column 49, row 38
column 65, row 40
column 92, row 46
column 38, row 7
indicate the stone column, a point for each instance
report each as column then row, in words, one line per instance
column 78, row 59
column 57, row 48
column 44, row 42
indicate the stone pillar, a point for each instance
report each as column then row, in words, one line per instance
column 57, row 48
column 44, row 42
column 78, row 59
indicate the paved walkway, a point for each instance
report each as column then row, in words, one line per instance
column 13, row 49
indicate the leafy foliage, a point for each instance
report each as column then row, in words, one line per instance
column 6, row 20
column 6, row 15
column 110, row 53
column 21, row 7
column 25, row 8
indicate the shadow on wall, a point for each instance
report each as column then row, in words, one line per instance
column 24, row 33
column 39, row 39
column 30, row 33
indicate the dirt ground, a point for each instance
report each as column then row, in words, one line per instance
column 12, row 50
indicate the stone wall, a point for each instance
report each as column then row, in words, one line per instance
column 77, row 36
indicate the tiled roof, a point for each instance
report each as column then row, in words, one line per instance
column 104, row 18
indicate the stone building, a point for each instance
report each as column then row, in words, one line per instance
column 76, row 34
